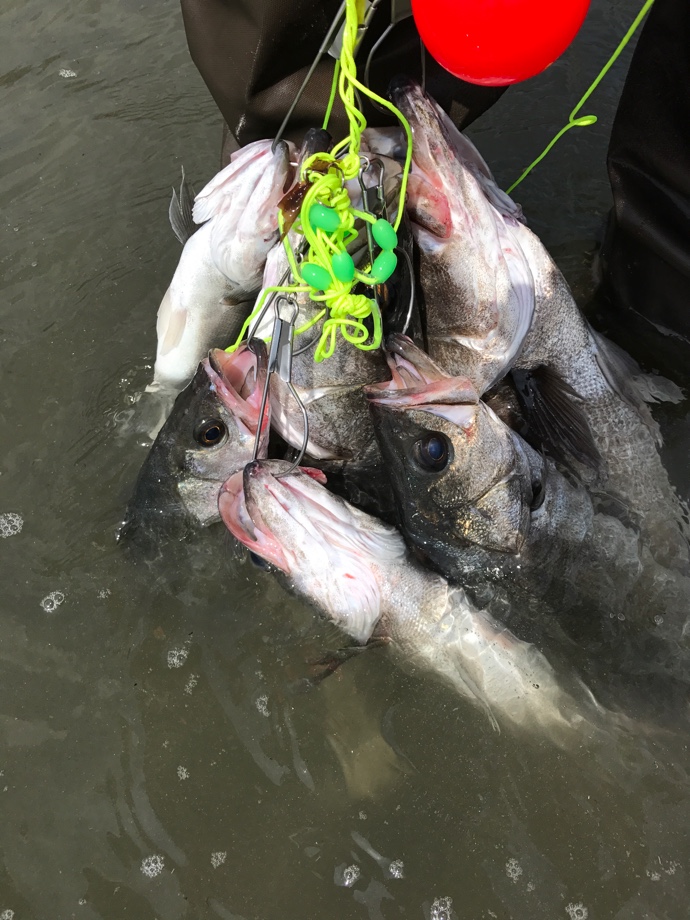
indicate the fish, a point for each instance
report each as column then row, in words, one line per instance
column 220, row 268
column 357, row 572
column 210, row 433
column 475, row 281
column 497, row 303
column 484, row 508
column 341, row 438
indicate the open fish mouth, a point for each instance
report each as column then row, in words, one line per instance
column 238, row 380
column 417, row 382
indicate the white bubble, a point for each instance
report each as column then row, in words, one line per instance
column 10, row 525
column 347, row 875
column 577, row 911
column 530, row 886
column 177, row 657
column 103, row 593
column 217, row 859
column 191, row 683
column 152, row 865
column 67, row 73
column 513, row 869
column 397, row 869
column 362, row 816
column 441, row 909
column 183, row 773
column 51, row 603
column 654, row 876
column 7, row 914
column 261, row 703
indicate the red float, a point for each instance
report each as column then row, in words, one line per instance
column 497, row 42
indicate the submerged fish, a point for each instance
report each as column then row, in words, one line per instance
column 495, row 301
column 209, row 434
column 358, row 572
column 220, row 268
column 485, row 508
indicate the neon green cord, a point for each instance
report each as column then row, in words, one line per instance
column 585, row 120
column 326, row 174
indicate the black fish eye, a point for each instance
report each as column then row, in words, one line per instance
column 433, row 452
column 538, row 496
column 210, row 432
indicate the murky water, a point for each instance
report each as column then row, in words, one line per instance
column 157, row 758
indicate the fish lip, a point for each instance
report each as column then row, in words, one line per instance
column 246, row 526
column 239, row 510
column 416, row 380
column 228, row 375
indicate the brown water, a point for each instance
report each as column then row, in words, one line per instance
column 157, row 759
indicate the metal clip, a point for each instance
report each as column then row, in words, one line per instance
column 280, row 355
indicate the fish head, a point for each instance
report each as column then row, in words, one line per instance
column 331, row 554
column 209, row 434
column 458, row 472
column 475, row 280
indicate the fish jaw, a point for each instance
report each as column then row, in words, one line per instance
column 333, row 554
column 239, row 379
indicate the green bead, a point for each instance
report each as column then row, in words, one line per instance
column 384, row 234
column 383, row 267
column 316, row 276
column 343, row 267
column 325, row 218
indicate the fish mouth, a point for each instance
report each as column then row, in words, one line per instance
column 417, row 382
column 239, row 380
column 244, row 494
column 432, row 150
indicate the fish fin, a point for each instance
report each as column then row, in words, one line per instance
column 620, row 371
column 180, row 211
column 556, row 423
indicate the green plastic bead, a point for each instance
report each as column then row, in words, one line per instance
column 316, row 276
column 343, row 267
column 383, row 267
column 384, row 234
column 325, row 218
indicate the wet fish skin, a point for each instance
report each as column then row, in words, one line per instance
column 459, row 186
column 496, row 512
column 221, row 264
column 358, row 572
column 178, row 484
column 475, row 282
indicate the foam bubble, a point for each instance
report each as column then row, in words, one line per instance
column 397, row 869
column 577, row 911
column 347, row 875
column 66, row 73
column 441, row 909
column 152, row 866
column 513, row 869
column 191, row 684
column 52, row 601
column 261, row 703
column 7, row 914
column 177, row 657
column 182, row 773
column 10, row 524
column 217, row 859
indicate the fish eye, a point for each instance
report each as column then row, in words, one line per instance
column 433, row 452
column 210, row 432
column 538, row 495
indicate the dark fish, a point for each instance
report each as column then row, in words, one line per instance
column 209, row 434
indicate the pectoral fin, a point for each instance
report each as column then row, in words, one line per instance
column 556, row 423
column 180, row 211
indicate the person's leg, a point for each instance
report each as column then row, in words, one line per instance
column 646, row 254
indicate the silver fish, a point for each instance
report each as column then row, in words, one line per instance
column 359, row 573
column 220, row 268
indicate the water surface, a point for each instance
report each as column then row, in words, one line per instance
column 157, row 758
